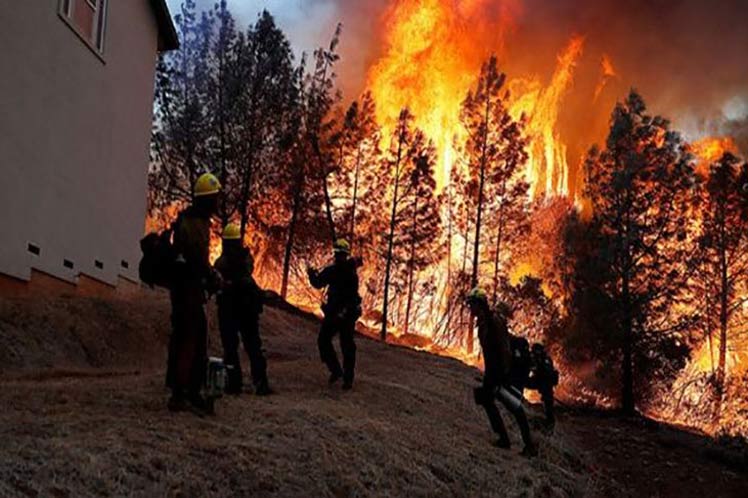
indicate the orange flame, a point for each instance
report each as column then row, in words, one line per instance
column 710, row 149
column 432, row 55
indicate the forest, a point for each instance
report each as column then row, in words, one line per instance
column 637, row 281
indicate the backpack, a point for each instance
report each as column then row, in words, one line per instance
column 156, row 266
column 520, row 365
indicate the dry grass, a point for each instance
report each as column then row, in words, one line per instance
column 409, row 428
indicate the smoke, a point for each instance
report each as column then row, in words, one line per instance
column 687, row 57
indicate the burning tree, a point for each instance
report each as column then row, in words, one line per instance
column 723, row 241
column 223, row 102
column 640, row 188
column 409, row 166
column 495, row 153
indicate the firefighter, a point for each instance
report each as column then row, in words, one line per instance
column 191, row 278
column 341, row 311
column 543, row 378
column 493, row 335
column 239, row 308
column 521, row 362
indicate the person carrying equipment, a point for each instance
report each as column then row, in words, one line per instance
column 192, row 277
column 543, row 378
column 493, row 335
column 342, row 309
column 521, row 361
column 239, row 308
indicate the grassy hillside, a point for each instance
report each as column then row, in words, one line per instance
column 84, row 415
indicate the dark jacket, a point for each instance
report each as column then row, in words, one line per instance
column 236, row 265
column 493, row 335
column 521, row 361
column 341, row 280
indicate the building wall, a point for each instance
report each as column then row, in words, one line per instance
column 74, row 134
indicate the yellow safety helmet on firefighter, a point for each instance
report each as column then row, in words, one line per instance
column 476, row 295
column 341, row 245
column 232, row 232
column 206, row 185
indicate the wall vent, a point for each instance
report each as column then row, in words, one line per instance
column 34, row 249
column 98, row 264
column 68, row 264
column 125, row 264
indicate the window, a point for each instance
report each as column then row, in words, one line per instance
column 88, row 19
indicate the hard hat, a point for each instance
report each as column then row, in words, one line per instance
column 206, row 185
column 476, row 295
column 232, row 232
column 341, row 245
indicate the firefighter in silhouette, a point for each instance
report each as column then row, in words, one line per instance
column 543, row 378
column 341, row 309
column 192, row 277
column 521, row 364
column 239, row 308
column 493, row 335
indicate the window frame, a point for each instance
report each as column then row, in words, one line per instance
column 97, row 43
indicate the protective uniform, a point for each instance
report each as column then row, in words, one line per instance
column 543, row 378
column 493, row 335
column 239, row 308
column 188, row 342
column 341, row 310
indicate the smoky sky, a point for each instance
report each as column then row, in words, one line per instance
column 687, row 57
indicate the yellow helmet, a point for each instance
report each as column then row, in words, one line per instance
column 232, row 232
column 476, row 295
column 207, row 184
column 341, row 245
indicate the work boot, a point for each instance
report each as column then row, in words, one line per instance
column 334, row 377
column 177, row 403
column 530, row 450
column 347, row 385
column 263, row 389
column 199, row 406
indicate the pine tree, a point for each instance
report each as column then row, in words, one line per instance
column 723, row 241
column 640, row 188
column 406, row 147
column 495, row 154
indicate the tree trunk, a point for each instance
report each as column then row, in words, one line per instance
column 723, row 313
column 627, row 398
column 326, row 190
column 390, row 245
column 352, row 230
column 296, row 208
column 499, row 237
column 411, row 262
column 479, row 214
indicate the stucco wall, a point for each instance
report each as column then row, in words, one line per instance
column 74, row 134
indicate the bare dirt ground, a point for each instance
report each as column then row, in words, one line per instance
column 81, row 387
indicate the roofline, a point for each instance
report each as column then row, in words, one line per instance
column 167, row 33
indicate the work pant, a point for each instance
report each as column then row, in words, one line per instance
column 514, row 406
column 546, row 396
column 235, row 323
column 185, row 373
column 346, row 327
